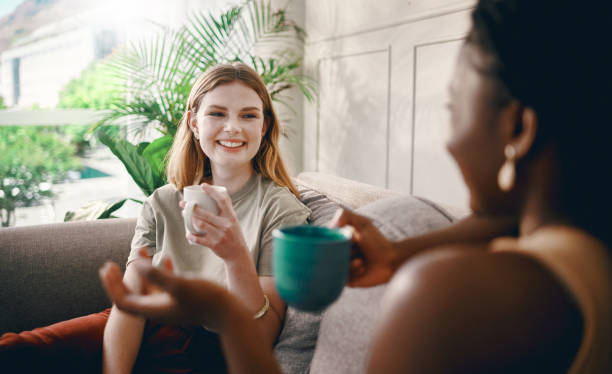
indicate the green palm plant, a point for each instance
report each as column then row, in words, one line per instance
column 153, row 77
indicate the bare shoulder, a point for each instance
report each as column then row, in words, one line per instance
column 458, row 310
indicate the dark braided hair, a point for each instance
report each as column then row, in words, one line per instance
column 554, row 56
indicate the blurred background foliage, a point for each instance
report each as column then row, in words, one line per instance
column 91, row 90
column 31, row 159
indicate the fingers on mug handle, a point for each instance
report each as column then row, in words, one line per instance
column 358, row 222
column 344, row 217
column 347, row 231
column 222, row 199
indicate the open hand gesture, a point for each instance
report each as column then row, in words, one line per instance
column 167, row 297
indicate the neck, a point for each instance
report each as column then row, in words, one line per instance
column 233, row 179
column 541, row 204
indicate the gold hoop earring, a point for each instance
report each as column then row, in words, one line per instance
column 507, row 173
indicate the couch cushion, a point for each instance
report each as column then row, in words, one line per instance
column 49, row 273
column 347, row 325
column 298, row 337
column 346, row 192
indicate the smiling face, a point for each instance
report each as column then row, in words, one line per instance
column 230, row 125
column 481, row 125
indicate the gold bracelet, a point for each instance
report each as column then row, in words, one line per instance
column 264, row 309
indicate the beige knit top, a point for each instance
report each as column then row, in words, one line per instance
column 583, row 264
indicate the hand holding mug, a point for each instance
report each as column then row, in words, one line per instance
column 197, row 196
column 310, row 265
column 372, row 259
column 216, row 228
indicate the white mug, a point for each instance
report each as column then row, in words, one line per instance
column 195, row 195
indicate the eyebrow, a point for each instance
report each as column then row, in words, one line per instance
column 219, row 107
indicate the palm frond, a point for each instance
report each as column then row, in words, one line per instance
column 153, row 77
column 155, row 80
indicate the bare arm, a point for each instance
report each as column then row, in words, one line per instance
column 468, row 311
column 471, row 229
column 224, row 236
column 196, row 301
column 375, row 259
column 123, row 332
column 244, row 282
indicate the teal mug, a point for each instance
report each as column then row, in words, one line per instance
column 311, row 264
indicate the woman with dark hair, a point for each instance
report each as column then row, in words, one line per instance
column 529, row 113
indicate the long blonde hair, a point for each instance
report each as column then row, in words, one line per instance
column 187, row 163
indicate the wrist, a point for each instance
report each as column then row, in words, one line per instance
column 237, row 256
column 238, row 261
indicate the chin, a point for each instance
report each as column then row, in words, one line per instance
column 230, row 163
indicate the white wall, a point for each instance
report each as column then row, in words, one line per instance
column 58, row 52
column 383, row 68
column 46, row 66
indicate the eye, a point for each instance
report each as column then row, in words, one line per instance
column 250, row 115
column 216, row 114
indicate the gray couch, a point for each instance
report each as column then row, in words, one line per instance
column 48, row 273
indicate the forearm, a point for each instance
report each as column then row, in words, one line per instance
column 241, row 341
column 472, row 229
column 123, row 333
column 121, row 343
column 244, row 282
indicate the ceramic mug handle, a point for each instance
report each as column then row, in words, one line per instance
column 188, row 216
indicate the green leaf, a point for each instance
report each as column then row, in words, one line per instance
column 141, row 147
column 113, row 207
column 69, row 216
column 136, row 165
column 98, row 209
column 156, row 153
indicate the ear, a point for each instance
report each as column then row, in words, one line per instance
column 525, row 136
column 264, row 128
column 191, row 121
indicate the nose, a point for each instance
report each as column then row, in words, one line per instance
column 232, row 126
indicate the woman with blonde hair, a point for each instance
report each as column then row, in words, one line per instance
column 529, row 105
column 228, row 137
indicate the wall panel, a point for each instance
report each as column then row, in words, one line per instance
column 349, row 96
column 383, row 71
column 434, row 172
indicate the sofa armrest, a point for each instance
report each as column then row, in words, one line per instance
column 49, row 273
